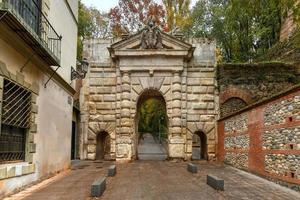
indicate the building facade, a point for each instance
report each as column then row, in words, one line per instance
column 149, row 64
column 36, row 55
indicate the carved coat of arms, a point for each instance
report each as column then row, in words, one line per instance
column 151, row 37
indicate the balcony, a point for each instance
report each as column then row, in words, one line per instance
column 26, row 19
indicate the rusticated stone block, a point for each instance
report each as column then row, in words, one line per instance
column 98, row 187
column 112, row 170
column 3, row 173
column 35, row 88
column 103, row 106
column 215, row 182
column 11, row 172
column 3, row 69
column 28, row 169
column 32, row 148
column 33, row 128
column 192, row 168
column 207, row 81
column 200, row 106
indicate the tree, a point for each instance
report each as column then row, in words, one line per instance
column 91, row 24
column 244, row 30
column 150, row 114
column 177, row 14
column 130, row 15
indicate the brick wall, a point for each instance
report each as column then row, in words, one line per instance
column 265, row 138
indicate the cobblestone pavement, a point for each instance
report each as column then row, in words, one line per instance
column 157, row 180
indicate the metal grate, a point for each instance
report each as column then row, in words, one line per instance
column 12, row 144
column 30, row 14
column 16, row 107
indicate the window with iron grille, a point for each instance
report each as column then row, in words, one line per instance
column 15, row 120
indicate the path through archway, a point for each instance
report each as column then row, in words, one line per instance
column 151, row 126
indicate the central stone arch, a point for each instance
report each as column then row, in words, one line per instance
column 146, row 94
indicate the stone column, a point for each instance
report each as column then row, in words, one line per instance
column 124, row 141
column 176, row 141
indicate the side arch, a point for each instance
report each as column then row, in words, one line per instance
column 95, row 130
column 236, row 92
column 103, row 146
column 232, row 105
column 199, row 146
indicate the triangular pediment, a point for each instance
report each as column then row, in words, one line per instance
column 134, row 42
column 151, row 42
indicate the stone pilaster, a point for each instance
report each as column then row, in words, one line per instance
column 124, row 139
column 176, row 104
column 176, row 141
column 125, row 105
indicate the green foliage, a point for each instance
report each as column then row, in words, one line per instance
column 91, row 24
column 178, row 14
column 243, row 29
column 153, row 117
column 287, row 51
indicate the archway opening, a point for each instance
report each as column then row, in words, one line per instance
column 102, row 146
column 151, row 126
column 199, row 148
column 232, row 105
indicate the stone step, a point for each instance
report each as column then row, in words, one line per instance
column 152, row 156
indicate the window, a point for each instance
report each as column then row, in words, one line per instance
column 15, row 121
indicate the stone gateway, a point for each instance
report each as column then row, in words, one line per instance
column 150, row 63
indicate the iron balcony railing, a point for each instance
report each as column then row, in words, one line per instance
column 29, row 14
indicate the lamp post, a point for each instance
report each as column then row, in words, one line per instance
column 81, row 69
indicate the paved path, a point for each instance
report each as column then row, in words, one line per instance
column 150, row 149
column 158, row 180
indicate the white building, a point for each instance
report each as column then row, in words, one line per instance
column 38, row 40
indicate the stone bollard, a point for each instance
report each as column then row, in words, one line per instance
column 192, row 168
column 215, row 182
column 98, row 187
column 112, row 170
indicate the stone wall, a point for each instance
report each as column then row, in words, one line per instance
column 232, row 105
column 265, row 138
column 288, row 26
column 98, row 99
column 244, row 84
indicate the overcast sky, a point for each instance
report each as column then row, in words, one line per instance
column 106, row 5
